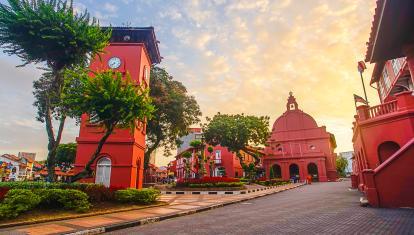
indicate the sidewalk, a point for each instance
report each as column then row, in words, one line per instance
column 179, row 205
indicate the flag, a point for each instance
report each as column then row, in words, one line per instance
column 361, row 66
column 359, row 99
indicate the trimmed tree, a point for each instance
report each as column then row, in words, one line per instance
column 199, row 149
column 272, row 173
column 187, row 167
column 48, row 32
column 341, row 165
column 110, row 102
column 175, row 112
column 211, row 160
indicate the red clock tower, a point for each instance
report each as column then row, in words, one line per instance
column 120, row 164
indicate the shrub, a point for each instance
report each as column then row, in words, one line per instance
column 141, row 196
column 74, row 200
column 95, row 192
column 18, row 201
column 99, row 193
column 69, row 199
column 244, row 180
column 206, row 185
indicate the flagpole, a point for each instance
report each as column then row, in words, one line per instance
column 363, row 86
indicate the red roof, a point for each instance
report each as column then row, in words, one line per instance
column 11, row 157
column 374, row 29
column 57, row 172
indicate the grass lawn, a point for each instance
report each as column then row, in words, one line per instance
column 44, row 215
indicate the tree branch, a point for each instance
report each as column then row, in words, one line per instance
column 87, row 171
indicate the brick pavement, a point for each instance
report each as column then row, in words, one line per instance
column 178, row 205
column 322, row 208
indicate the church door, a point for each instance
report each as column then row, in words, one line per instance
column 294, row 171
column 103, row 172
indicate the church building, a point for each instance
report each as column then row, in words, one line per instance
column 298, row 147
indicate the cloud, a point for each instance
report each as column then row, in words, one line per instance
column 234, row 56
column 111, row 8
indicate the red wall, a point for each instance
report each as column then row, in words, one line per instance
column 125, row 149
column 370, row 133
column 228, row 160
column 392, row 184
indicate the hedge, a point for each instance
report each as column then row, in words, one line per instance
column 18, row 201
column 211, row 180
column 272, row 183
column 69, row 199
column 95, row 192
column 138, row 196
column 218, row 185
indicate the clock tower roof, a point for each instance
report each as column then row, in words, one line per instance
column 144, row 35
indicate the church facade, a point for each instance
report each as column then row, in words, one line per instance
column 298, row 147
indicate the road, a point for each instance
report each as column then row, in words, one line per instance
column 321, row 208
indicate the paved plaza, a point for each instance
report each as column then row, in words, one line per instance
column 178, row 205
column 321, row 208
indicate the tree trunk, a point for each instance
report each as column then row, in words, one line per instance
column 87, row 171
column 52, row 142
column 148, row 152
column 51, row 147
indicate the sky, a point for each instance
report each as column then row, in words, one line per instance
column 234, row 56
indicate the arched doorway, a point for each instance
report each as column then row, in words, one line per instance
column 386, row 150
column 294, row 171
column 103, row 171
column 277, row 171
column 313, row 171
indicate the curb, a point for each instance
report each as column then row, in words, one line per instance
column 150, row 220
column 23, row 223
column 218, row 192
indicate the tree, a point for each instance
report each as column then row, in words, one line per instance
column 341, row 165
column 272, row 173
column 65, row 155
column 48, row 32
column 175, row 112
column 236, row 132
column 187, row 168
column 110, row 101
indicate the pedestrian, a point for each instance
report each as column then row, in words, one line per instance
column 309, row 179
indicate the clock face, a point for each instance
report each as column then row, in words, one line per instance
column 114, row 62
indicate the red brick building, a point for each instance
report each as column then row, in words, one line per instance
column 383, row 138
column 131, row 51
column 297, row 147
column 221, row 161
